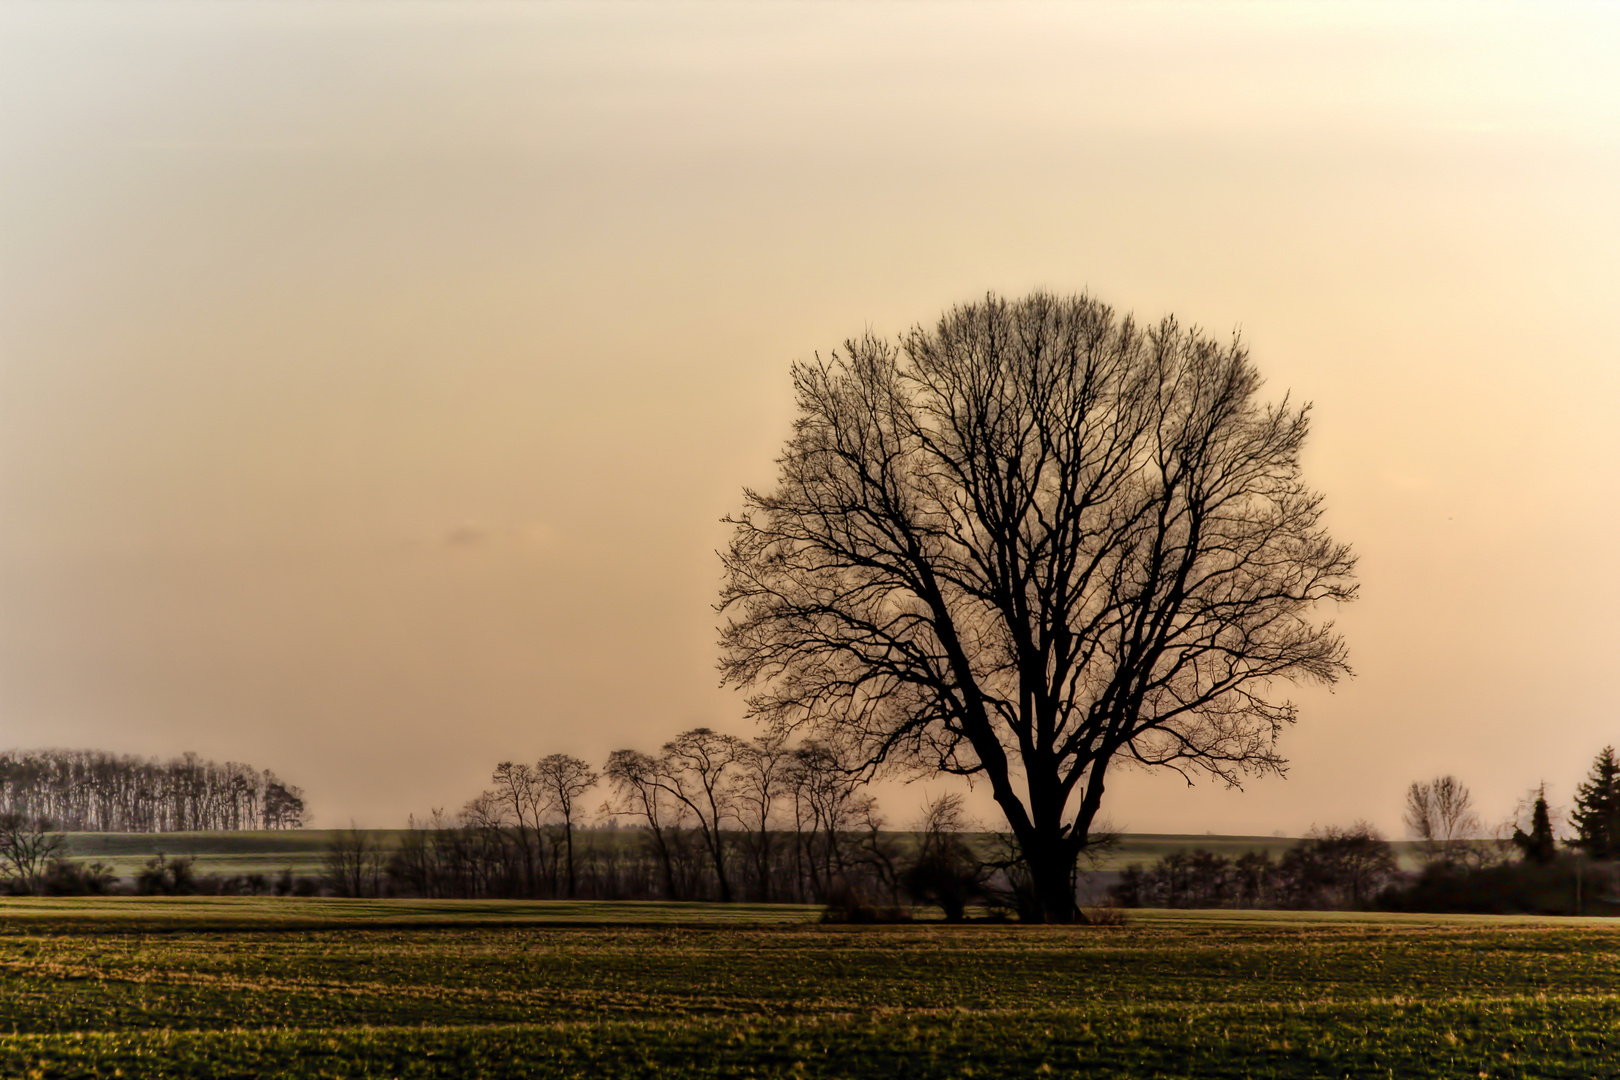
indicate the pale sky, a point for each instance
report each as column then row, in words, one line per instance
column 373, row 376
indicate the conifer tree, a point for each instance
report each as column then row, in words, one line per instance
column 1596, row 816
column 1539, row 846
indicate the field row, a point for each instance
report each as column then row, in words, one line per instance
column 705, row 992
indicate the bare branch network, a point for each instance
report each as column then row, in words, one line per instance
column 1031, row 540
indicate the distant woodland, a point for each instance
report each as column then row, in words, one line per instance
column 709, row 816
column 95, row 791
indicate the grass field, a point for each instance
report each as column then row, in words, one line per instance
column 265, row 851
column 229, row 987
column 301, row 850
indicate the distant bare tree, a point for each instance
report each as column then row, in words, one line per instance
column 696, row 768
column 1254, row 878
column 28, row 846
column 828, row 808
column 641, row 792
column 413, row 865
column 763, row 781
column 946, row 871
column 283, row 804
column 353, row 862
column 1440, row 815
column 1030, row 541
column 489, row 846
column 881, row 855
column 565, row 779
column 718, row 816
column 526, row 799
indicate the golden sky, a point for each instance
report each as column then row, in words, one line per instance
column 373, row 376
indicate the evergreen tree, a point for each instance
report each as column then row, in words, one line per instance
column 1596, row 816
column 1539, row 846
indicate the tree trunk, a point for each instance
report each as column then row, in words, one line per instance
column 716, row 845
column 671, row 892
column 568, row 835
column 762, row 867
column 1051, row 871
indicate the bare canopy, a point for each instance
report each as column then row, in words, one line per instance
column 1030, row 541
column 1440, row 814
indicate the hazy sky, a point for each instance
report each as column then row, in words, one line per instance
column 373, row 375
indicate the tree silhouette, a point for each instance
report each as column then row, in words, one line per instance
column 28, row 846
column 565, row 779
column 1028, row 542
column 1539, row 845
column 1440, row 815
column 1596, row 815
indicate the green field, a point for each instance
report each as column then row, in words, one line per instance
column 264, row 851
column 237, row 987
column 301, row 850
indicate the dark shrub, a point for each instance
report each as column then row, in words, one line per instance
column 1564, row 887
column 163, row 876
column 67, row 878
column 946, row 874
column 1330, row 868
column 845, row 904
column 1335, row 868
column 1181, row 879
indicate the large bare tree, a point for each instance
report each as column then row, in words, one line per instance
column 763, row 781
column 1026, row 543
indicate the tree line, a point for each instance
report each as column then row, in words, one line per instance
column 96, row 791
column 1527, row 866
column 1332, row 868
column 1440, row 815
column 1523, row 867
column 709, row 816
